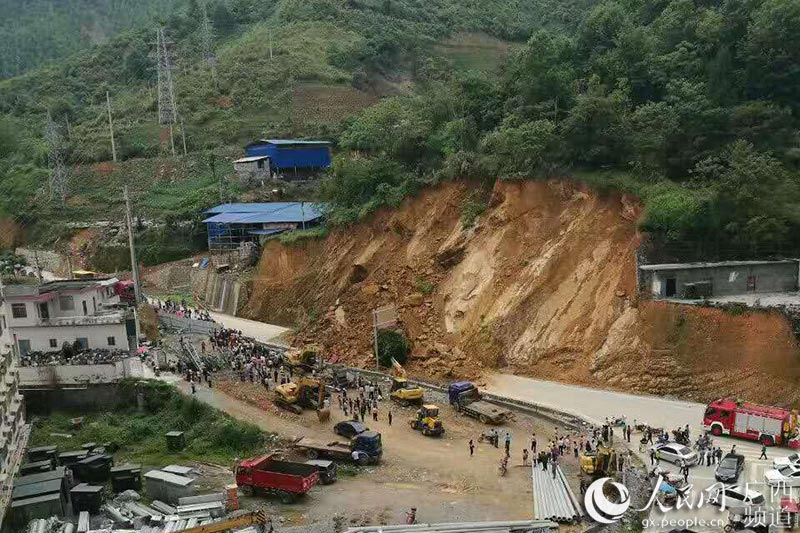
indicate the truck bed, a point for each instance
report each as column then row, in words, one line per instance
column 328, row 447
column 493, row 412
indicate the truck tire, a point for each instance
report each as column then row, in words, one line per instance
column 362, row 460
column 483, row 419
column 287, row 497
column 312, row 454
column 716, row 430
column 247, row 490
column 767, row 440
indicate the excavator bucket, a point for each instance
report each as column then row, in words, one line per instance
column 323, row 415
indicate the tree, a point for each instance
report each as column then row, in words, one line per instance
column 392, row 345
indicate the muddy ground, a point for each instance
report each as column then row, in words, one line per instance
column 435, row 475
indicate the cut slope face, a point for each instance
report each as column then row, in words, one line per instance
column 543, row 284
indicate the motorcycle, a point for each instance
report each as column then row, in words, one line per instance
column 411, row 516
column 503, row 468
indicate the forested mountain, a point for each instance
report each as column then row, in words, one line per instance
column 691, row 104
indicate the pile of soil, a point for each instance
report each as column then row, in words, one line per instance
column 543, row 285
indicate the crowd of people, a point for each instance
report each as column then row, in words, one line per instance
column 363, row 402
column 181, row 309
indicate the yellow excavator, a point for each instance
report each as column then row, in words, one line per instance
column 427, row 421
column 305, row 392
column 257, row 518
column 402, row 391
column 303, row 360
column 600, row 463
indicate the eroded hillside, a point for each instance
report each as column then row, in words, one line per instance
column 543, row 284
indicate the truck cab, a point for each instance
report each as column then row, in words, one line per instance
column 367, row 446
column 462, row 392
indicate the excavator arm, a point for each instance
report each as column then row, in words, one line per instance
column 254, row 518
column 399, row 371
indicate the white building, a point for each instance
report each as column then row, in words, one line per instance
column 42, row 318
column 13, row 430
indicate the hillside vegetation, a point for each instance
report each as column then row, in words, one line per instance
column 242, row 69
column 692, row 105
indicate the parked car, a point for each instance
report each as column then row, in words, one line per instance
column 349, row 428
column 729, row 468
column 737, row 497
column 792, row 459
column 785, row 476
column 674, row 452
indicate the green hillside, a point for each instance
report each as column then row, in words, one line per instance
column 691, row 105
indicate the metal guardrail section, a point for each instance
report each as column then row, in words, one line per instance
column 187, row 325
column 13, row 464
column 552, row 497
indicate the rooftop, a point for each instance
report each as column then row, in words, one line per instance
column 289, row 142
column 270, row 213
column 687, row 266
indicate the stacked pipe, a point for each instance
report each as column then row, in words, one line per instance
column 552, row 497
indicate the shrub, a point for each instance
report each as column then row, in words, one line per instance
column 392, row 345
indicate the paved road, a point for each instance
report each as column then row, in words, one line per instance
column 261, row 331
column 596, row 405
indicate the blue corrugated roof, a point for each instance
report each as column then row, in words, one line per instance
column 287, row 212
column 255, row 207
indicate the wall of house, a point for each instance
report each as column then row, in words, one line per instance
column 78, row 375
column 727, row 280
column 97, row 336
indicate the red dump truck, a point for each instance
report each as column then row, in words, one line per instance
column 266, row 475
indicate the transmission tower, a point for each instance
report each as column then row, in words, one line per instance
column 206, row 35
column 55, row 153
column 167, row 112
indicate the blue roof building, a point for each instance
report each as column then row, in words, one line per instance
column 229, row 225
column 287, row 159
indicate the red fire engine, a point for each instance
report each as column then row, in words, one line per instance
column 768, row 425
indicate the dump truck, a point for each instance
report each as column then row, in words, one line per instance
column 284, row 479
column 465, row 398
column 365, row 448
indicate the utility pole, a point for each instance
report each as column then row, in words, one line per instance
column 183, row 134
column 270, row 45
column 207, row 37
column 111, row 128
column 137, row 291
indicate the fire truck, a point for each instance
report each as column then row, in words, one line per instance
column 768, row 425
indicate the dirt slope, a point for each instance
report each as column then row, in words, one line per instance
column 543, row 284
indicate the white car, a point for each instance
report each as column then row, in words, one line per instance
column 737, row 497
column 793, row 459
column 784, row 476
column 675, row 453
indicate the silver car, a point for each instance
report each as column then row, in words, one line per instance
column 676, row 453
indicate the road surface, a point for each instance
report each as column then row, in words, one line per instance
column 261, row 331
column 595, row 405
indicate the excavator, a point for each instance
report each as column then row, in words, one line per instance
column 255, row 518
column 303, row 360
column 427, row 421
column 402, row 391
column 305, row 392
column 600, row 463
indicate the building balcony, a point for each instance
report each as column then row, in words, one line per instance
column 87, row 320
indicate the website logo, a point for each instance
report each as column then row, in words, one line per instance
column 600, row 508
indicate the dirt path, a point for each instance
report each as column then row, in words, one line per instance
column 437, row 476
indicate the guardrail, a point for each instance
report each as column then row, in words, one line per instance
column 187, row 325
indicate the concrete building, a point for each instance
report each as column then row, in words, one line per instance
column 706, row 280
column 13, row 430
column 42, row 318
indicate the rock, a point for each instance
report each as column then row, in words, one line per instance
column 370, row 289
column 358, row 273
column 441, row 347
column 414, row 299
column 340, row 316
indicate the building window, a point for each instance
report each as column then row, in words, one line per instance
column 24, row 346
column 85, row 311
column 83, row 342
column 53, row 343
column 66, row 303
column 111, row 341
column 19, row 311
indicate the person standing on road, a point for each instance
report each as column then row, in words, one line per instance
column 554, row 467
column 524, row 456
column 575, row 445
column 390, row 417
column 763, row 452
column 545, row 458
column 685, row 472
column 628, row 431
column 193, row 388
column 508, row 444
column 471, row 448
column 533, row 444
column 733, row 449
column 653, row 457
